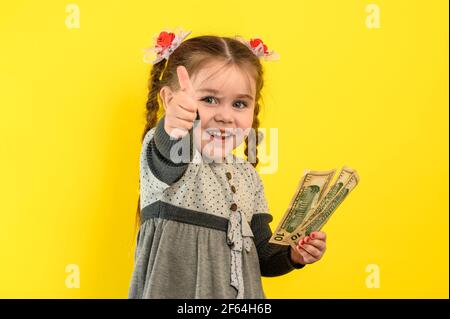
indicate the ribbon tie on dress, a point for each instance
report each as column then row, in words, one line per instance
column 239, row 235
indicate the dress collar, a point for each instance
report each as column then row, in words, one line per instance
column 230, row 158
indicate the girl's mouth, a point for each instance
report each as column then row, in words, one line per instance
column 219, row 136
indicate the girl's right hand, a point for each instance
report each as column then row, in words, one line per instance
column 181, row 111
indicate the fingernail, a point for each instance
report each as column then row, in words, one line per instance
column 312, row 235
column 306, row 239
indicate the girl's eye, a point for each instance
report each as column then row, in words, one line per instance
column 242, row 103
column 207, row 99
column 239, row 104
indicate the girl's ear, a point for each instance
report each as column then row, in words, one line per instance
column 166, row 95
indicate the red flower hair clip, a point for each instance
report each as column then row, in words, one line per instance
column 165, row 43
column 168, row 40
column 259, row 48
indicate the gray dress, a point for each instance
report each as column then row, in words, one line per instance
column 204, row 226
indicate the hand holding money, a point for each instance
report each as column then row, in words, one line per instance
column 313, row 204
column 310, row 248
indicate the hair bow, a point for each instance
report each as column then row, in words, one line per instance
column 168, row 40
column 164, row 44
column 259, row 48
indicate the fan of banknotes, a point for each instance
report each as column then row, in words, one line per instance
column 313, row 204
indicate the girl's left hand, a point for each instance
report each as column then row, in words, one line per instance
column 310, row 248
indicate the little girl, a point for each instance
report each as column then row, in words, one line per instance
column 204, row 222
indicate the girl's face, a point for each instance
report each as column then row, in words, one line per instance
column 226, row 102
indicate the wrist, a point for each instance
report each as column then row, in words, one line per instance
column 165, row 142
column 294, row 262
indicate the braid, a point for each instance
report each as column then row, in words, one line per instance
column 152, row 104
column 253, row 139
column 151, row 116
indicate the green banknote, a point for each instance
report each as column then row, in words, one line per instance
column 309, row 192
column 316, row 222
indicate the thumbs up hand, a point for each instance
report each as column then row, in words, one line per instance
column 181, row 111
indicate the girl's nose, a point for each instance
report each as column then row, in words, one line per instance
column 223, row 114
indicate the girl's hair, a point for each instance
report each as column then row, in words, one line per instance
column 193, row 54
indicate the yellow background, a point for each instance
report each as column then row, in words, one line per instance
column 72, row 113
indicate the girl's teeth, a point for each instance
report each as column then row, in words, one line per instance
column 220, row 134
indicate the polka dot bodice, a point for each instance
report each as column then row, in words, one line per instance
column 204, row 187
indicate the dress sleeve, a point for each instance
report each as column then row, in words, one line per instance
column 274, row 259
column 167, row 157
column 157, row 170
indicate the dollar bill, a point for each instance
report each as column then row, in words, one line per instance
column 318, row 221
column 343, row 178
column 309, row 192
